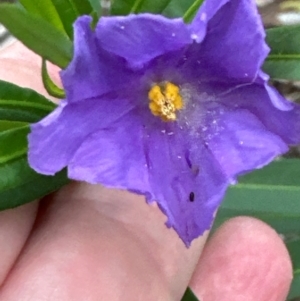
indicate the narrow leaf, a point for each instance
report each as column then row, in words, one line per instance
column 7, row 125
column 46, row 10
column 177, row 8
column 13, row 143
column 84, row 7
column 192, row 10
column 124, row 7
column 21, row 104
column 49, row 85
column 189, row 296
column 283, row 61
column 68, row 13
column 271, row 194
column 136, row 6
column 37, row 34
column 154, row 6
column 19, row 184
column 12, row 91
column 96, row 6
column 15, row 110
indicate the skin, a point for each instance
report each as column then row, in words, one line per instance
column 87, row 242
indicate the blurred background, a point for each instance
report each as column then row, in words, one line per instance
column 274, row 13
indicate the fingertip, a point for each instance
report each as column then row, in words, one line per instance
column 15, row 227
column 244, row 260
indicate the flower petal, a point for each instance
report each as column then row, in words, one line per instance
column 234, row 45
column 177, row 172
column 105, row 133
column 113, row 156
column 186, row 181
column 140, row 38
column 241, row 143
column 206, row 12
column 257, row 100
column 54, row 140
column 277, row 100
column 93, row 71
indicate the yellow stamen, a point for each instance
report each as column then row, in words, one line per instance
column 165, row 101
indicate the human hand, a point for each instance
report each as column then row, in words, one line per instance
column 87, row 242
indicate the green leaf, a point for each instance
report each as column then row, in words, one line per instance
column 136, row 6
column 192, row 10
column 37, row 34
column 13, row 142
column 7, row 125
column 19, row 184
column 124, row 7
column 283, row 61
column 84, row 7
column 49, row 85
column 67, row 13
column 15, row 117
column 154, row 6
column 271, row 194
column 189, row 296
column 96, row 6
column 46, row 10
column 12, row 91
column 294, row 250
column 21, row 104
column 177, row 8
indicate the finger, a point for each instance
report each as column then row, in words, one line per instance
column 21, row 66
column 95, row 243
column 15, row 226
column 244, row 260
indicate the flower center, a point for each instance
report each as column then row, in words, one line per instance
column 165, row 101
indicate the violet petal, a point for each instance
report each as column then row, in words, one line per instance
column 140, row 37
column 90, row 74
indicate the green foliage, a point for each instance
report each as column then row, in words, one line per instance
column 49, row 85
column 169, row 8
column 177, row 8
column 19, row 184
column 46, row 10
column 37, row 34
column 191, row 12
column 271, row 194
column 18, row 104
column 13, row 140
column 154, row 6
column 83, row 7
column 95, row 5
column 124, row 7
column 59, row 13
column 189, row 296
column 283, row 61
column 65, row 10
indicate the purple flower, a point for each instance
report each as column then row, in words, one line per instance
column 169, row 110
